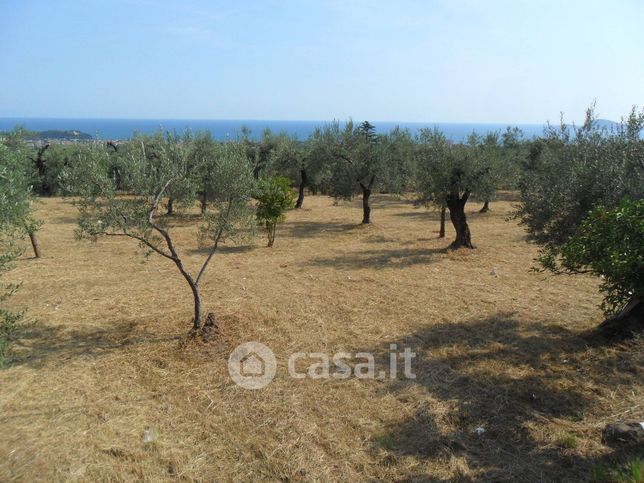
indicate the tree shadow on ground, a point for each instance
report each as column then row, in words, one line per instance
column 505, row 196
column 377, row 239
column 38, row 344
column 508, row 378
column 181, row 219
column 380, row 259
column 434, row 215
column 385, row 202
column 378, row 202
column 222, row 249
column 304, row 229
column 421, row 214
column 64, row 220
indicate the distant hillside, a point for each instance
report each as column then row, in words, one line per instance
column 72, row 135
column 56, row 135
column 606, row 123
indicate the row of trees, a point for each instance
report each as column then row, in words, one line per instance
column 124, row 190
column 341, row 160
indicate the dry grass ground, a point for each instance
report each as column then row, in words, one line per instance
column 507, row 352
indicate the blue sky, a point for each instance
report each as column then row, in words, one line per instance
column 429, row 60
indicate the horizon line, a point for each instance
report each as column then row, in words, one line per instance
column 505, row 123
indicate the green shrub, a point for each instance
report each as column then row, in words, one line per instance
column 274, row 196
column 632, row 471
column 16, row 220
column 607, row 244
column 9, row 320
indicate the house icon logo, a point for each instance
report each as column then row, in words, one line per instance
column 252, row 365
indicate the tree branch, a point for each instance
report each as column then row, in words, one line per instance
column 142, row 240
column 157, row 200
column 214, row 247
column 343, row 157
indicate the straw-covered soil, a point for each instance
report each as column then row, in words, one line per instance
column 498, row 347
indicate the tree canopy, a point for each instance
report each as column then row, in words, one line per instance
column 156, row 168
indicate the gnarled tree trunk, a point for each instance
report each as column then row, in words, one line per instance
column 456, row 205
column 366, row 209
column 366, row 194
column 300, row 195
column 170, row 207
column 627, row 322
column 441, row 233
column 486, row 207
column 203, row 203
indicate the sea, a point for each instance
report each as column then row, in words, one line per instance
column 123, row 129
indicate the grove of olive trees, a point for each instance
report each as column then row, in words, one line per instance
column 577, row 187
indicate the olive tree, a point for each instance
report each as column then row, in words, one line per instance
column 203, row 154
column 573, row 186
column 168, row 147
column 354, row 160
column 448, row 174
column 17, row 189
column 292, row 159
column 570, row 170
column 49, row 162
column 258, row 152
column 431, row 149
column 15, row 216
column 498, row 154
column 398, row 161
column 105, row 212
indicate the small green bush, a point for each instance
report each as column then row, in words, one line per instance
column 9, row 320
column 632, row 471
column 274, row 196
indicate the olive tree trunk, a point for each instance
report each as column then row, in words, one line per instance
column 441, row 233
column 486, row 207
column 34, row 243
column 196, row 294
column 271, row 227
column 366, row 209
column 627, row 322
column 300, row 194
column 456, row 205
column 366, row 194
column 203, row 203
